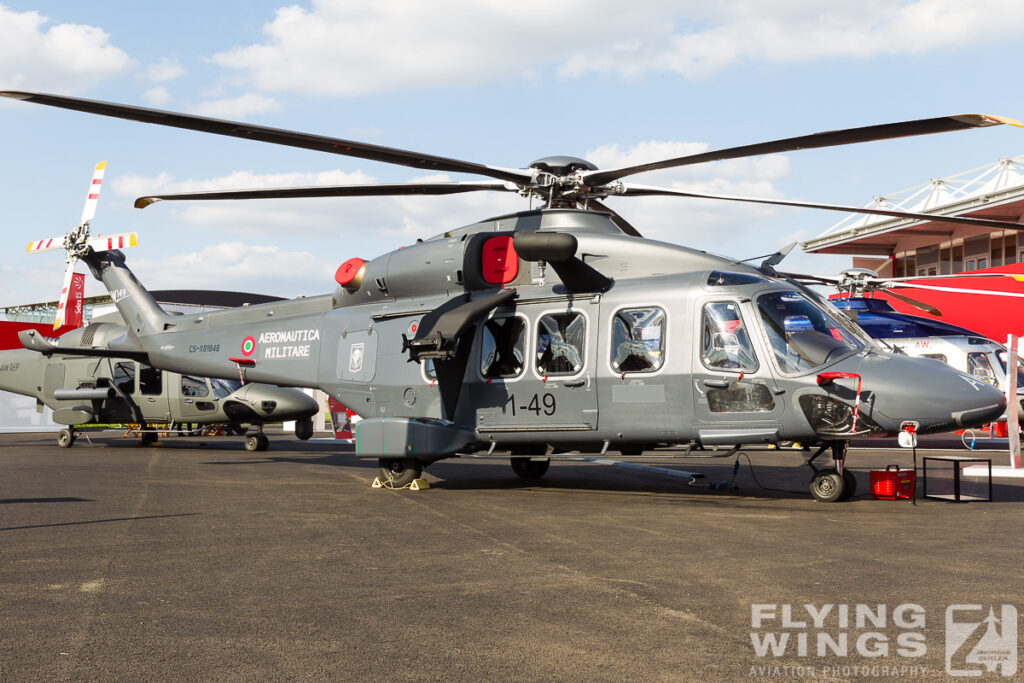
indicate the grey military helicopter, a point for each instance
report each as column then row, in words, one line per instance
column 556, row 329
column 100, row 386
column 123, row 388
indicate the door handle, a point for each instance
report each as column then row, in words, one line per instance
column 778, row 391
column 189, row 401
column 717, row 383
column 575, row 383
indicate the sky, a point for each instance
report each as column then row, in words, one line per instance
column 491, row 82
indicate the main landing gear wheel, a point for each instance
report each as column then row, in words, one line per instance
column 398, row 472
column 530, row 469
column 828, row 486
column 65, row 438
column 256, row 442
column 147, row 439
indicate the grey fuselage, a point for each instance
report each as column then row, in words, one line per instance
column 672, row 389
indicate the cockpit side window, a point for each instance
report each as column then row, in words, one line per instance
column 638, row 340
column 725, row 343
column 978, row 365
column 803, row 336
column 560, row 342
column 503, row 350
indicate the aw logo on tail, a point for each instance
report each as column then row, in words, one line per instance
column 974, row 640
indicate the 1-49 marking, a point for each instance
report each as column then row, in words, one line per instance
column 539, row 403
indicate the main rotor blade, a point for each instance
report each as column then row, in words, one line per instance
column 816, row 278
column 275, row 136
column 623, row 224
column 383, row 190
column 833, row 138
column 646, row 191
column 927, row 308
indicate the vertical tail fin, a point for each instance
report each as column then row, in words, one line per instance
column 139, row 309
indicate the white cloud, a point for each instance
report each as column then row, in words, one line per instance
column 62, row 57
column 157, row 96
column 348, row 49
column 799, row 31
column 240, row 266
column 167, row 69
column 238, row 108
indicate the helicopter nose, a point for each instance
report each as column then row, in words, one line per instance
column 263, row 402
column 928, row 392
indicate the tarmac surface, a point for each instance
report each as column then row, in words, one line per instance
column 194, row 559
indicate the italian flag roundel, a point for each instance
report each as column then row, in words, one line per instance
column 248, row 346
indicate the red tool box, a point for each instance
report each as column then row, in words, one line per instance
column 892, row 483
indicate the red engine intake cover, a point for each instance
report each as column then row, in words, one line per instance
column 348, row 270
column 500, row 262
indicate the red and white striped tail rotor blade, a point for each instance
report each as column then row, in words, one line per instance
column 45, row 245
column 119, row 241
column 94, row 192
column 65, row 292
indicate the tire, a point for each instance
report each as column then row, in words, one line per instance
column 65, row 438
column 252, row 443
column 399, row 472
column 264, row 442
column 530, row 469
column 147, row 439
column 849, row 485
column 827, row 486
column 304, row 429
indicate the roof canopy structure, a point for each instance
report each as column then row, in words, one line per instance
column 995, row 191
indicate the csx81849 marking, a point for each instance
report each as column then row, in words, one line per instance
column 539, row 403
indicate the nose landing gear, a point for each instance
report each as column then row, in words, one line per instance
column 832, row 484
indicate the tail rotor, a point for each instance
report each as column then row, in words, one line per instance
column 77, row 243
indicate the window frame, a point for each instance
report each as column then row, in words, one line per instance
column 699, row 341
column 527, row 355
column 534, row 340
column 664, row 336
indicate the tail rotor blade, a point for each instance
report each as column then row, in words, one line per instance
column 89, row 210
column 65, row 291
column 45, row 245
column 120, row 241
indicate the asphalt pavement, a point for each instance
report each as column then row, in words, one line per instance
column 196, row 560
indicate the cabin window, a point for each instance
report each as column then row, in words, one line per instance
column 725, row 343
column 194, row 387
column 429, row 370
column 150, row 381
column 638, row 340
column 941, row 357
column 503, row 349
column 560, row 340
column 124, row 377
